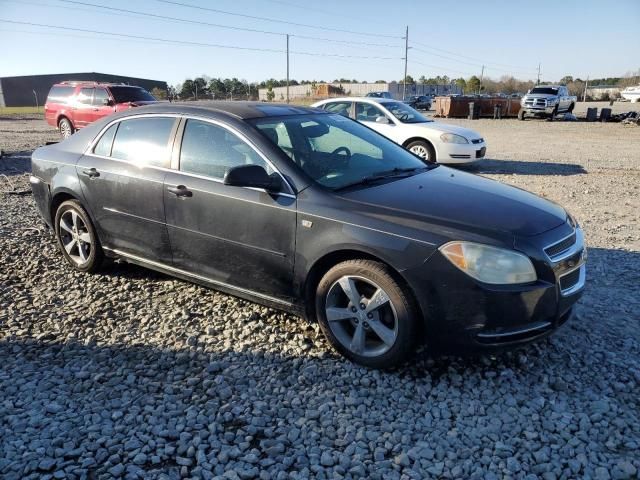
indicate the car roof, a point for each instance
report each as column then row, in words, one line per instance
column 239, row 109
column 361, row 99
column 75, row 83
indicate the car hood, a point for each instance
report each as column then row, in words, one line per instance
column 446, row 128
column 450, row 197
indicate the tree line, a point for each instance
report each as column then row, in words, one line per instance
column 205, row 87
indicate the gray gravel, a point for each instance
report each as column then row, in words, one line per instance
column 132, row 374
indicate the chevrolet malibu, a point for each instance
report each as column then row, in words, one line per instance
column 432, row 141
column 316, row 214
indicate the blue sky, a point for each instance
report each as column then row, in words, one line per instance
column 455, row 38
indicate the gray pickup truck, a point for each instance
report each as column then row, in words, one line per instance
column 546, row 101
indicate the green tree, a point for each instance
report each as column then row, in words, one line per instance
column 567, row 79
column 461, row 83
column 187, row 90
column 270, row 93
column 408, row 80
column 473, row 84
column 217, row 88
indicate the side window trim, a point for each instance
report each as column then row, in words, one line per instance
column 102, row 134
column 177, row 147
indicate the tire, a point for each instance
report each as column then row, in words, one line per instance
column 552, row 117
column 393, row 313
column 422, row 149
column 65, row 127
column 521, row 114
column 571, row 107
column 77, row 238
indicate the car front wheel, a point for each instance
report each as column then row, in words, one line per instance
column 366, row 315
column 423, row 150
column 77, row 238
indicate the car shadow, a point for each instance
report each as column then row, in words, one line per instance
column 519, row 167
column 15, row 163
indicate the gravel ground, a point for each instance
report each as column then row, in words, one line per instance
column 129, row 373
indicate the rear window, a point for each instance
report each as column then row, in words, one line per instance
column 144, row 141
column 131, row 94
column 59, row 94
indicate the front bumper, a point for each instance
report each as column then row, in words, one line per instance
column 454, row 153
column 547, row 109
column 463, row 315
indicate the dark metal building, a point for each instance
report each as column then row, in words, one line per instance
column 19, row 91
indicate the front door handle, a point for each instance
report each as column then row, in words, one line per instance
column 180, row 191
column 91, row 173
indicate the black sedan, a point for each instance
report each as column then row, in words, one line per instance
column 316, row 214
column 419, row 102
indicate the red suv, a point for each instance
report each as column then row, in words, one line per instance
column 73, row 105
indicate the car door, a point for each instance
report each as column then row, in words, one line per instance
column 122, row 177
column 82, row 107
column 102, row 104
column 368, row 114
column 235, row 236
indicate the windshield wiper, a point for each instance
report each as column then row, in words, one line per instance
column 384, row 175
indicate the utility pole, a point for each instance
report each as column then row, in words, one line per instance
column 196, row 84
column 481, row 78
column 287, row 68
column 586, row 84
column 538, row 82
column 406, row 52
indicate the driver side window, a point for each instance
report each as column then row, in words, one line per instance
column 365, row 112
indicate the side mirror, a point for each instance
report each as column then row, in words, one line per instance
column 383, row 120
column 253, row 176
column 107, row 102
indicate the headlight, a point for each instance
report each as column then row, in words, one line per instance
column 490, row 264
column 453, row 138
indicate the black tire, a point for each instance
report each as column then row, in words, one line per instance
column 400, row 303
column 65, row 127
column 420, row 148
column 85, row 256
column 552, row 117
column 571, row 107
column 521, row 114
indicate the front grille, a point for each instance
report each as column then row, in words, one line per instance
column 477, row 140
column 535, row 102
column 560, row 247
column 569, row 280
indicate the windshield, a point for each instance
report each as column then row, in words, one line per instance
column 405, row 113
column 544, row 90
column 131, row 94
column 336, row 151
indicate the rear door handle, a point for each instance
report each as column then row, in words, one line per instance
column 91, row 173
column 180, row 191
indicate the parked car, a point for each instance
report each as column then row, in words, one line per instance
column 71, row 106
column 419, row 102
column 313, row 213
column 379, row 95
column 432, row 141
column 547, row 101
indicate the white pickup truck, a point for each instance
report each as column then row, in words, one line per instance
column 546, row 101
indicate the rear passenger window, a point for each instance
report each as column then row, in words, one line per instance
column 341, row 108
column 100, row 97
column 59, row 94
column 103, row 147
column 144, row 141
column 85, row 95
column 211, row 150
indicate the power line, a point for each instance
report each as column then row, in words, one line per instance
column 276, row 20
column 217, row 25
column 191, row 43
column 515, row 69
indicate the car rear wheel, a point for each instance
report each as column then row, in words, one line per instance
column 65, row 127
column 423, row 150
column 366, row 315
column 77, row 238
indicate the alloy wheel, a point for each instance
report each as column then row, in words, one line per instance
column 75, row 237
column 361, row 316
column 420, row 151
column 65, row 129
